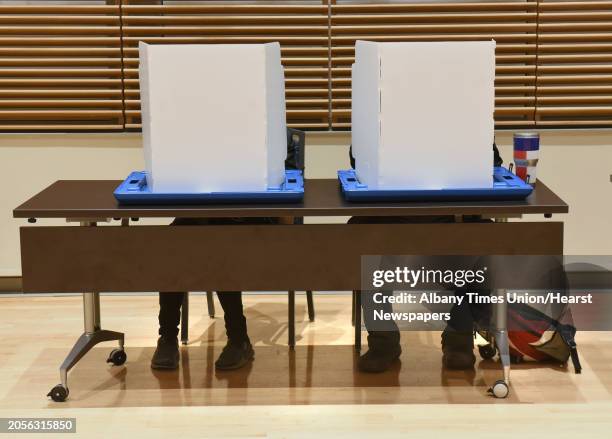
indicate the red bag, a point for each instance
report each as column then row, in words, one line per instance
column 535, row 336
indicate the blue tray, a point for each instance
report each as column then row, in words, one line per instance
column 506, row 186
column 134, row 190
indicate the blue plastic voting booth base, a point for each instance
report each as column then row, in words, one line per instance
column 134, row 190
column 506, row 186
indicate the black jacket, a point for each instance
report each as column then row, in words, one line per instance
column 296, row 142
column 497, row 160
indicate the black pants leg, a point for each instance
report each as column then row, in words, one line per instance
column 461, row 318
column 235, row 321
column 386, row 335
column 170, row 314
column 231, row 302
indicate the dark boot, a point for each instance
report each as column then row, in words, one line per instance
column 458, row 350
column 384, row 349
column 235, row 355
column 378, row 360
column 166, row 355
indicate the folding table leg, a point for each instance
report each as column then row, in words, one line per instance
column 92, row 335
column 83, row 345
column 501, row 388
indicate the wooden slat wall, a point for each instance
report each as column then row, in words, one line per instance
column 301, row 29
column 512, row 24
column 574, row 64
column 74, row 66
column 60, row 67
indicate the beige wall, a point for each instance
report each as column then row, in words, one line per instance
column 576, row 164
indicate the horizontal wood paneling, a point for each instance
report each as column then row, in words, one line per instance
column 574, row 77
column 74, row 66
column 301, row 29
column 60, row 67
column 512, row 24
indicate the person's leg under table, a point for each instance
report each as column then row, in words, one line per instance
column 383, row 341
column 236, row 353
column 166, row 354
column 384, row 345
column 383, row 336
column 458, row 338
column 238, row 350
column 235, row 321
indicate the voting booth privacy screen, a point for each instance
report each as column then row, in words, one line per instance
column 213, row 117
column 423, row 114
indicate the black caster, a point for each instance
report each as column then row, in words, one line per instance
column 59, row 393
column 117, row 357
column 500, row 389
column 487, row 351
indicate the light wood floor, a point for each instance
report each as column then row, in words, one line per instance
column 314, row 391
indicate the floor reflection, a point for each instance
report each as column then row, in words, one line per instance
column 321, row 370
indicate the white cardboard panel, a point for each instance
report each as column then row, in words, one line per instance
column 365, row 112
column 436, row 114
column 145, row 92
column 276, row 121
column 212, row 117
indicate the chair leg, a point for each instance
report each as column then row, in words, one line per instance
column 210, row 300
column 185, row 319
column 310, row 302
column 357, row 317
column 353, row 309
column 291, row 325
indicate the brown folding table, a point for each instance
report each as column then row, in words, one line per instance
column 325, row 257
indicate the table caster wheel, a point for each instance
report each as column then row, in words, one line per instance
column 487, row 351
column 59, row 393
column 500, row 389
column 117, row 357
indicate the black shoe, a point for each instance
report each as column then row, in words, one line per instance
column 166, row 355
column 458, row 350
column 378, row 360
column 235, row 355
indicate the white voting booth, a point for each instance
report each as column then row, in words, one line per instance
column 422, row 114
column 213, row 117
